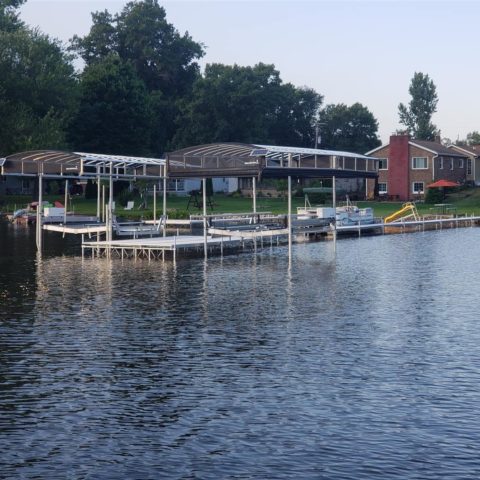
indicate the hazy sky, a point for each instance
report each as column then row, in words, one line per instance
column 349, row 51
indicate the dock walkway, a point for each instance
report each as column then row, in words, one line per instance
column 220, row 239
column 157, row 246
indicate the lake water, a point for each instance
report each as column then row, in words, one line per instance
column 359, row 364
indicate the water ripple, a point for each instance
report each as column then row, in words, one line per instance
column 360, row 364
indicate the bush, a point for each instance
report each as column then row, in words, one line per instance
column 434, row 195
column 178, row 214
column 124, row 197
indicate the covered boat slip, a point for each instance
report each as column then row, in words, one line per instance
column 74, row 166
column 204, row 161
column 79, row 165
column 267, row 161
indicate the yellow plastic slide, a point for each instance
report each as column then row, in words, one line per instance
column 408, row 209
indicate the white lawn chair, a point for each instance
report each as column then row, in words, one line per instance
column 129, row 205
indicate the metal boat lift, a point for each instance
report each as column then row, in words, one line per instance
column 203, row 161
column 59, row 165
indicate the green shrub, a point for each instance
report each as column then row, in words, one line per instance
column 434, row 195
column 124, row 197
column 178, row 214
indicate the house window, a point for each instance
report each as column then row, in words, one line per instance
column 419, row 163
column 469, row 166
column 441, row 163
column 460, row 163
column 3, row 179
column 176, row 185
column 417, row 187
column 382, row 188
column 383, row 163
column 451, row 164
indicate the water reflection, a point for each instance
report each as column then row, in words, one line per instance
column 359, row 363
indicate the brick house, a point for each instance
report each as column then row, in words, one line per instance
column 408, row 166
column 473, row 161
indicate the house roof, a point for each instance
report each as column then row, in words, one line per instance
column 433, row 147
column 467, row 149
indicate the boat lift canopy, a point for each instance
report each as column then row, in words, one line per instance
column 202, row 161
column 53, row 164
column 267, row 161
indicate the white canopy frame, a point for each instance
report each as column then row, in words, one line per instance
column 53, row 164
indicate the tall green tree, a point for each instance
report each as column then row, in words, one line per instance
column 417, row 116
column 473, row 138
column 349, row 128
column 114, row 112
column 164, row 59
column 9, row 19
column 37, row 88
column 247, row 104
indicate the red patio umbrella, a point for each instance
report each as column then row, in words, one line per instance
column 443, row 183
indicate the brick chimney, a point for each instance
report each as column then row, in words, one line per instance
column 398, row 163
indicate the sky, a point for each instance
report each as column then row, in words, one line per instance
column 348, row 51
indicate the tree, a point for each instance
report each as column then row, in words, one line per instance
column 164, row 59
column 37, row 90
column 9, row 20
column 351, row 128
column 246, row 104
column 473, row 138
column 114, row 114
column 100, row 42
column 417, row 117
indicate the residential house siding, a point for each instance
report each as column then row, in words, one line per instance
column 401, row 178
column 473, row 154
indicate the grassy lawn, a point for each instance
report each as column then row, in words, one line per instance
column 465, row 201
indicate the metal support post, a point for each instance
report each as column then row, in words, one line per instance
column 164, row 212
column 204, row 188
column 334, row 201
column 39, row 213
column 103, row 204
column 154, row 204
column 254, row 194
column 289, row 217
column 65, row 206
column 110, row 204
column 99, row 193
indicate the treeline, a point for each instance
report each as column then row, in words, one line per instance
column 141, row 92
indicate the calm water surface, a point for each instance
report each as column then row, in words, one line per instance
column 356, row 365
